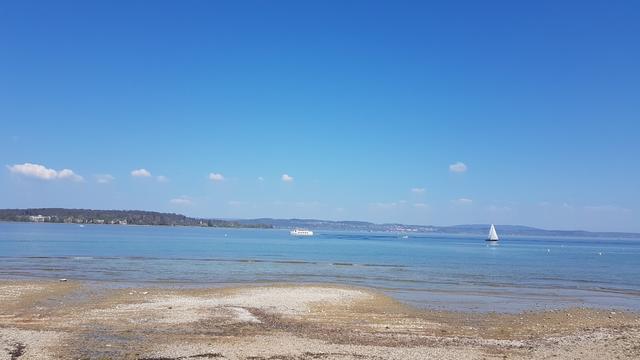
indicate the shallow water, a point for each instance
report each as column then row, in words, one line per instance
column 458, row 273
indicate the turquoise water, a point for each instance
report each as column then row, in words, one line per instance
column 459, row 273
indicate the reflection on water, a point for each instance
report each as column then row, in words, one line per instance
column 434, row 271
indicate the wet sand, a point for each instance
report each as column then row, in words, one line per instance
column 68, row 320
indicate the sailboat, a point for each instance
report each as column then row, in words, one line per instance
column 493, row 235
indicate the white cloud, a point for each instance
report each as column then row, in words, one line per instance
column 140, row 173
column 287, row 178
column 42, row 172
column 458, row 167
column 260, row 178
column 104, row 178
column 418, row 190
column 162, row 178
column 181, row 201
column 216, row 177
column 462, row 201
column 33, row 170
column 420, row 205
column 70, row 175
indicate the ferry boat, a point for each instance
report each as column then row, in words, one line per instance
column 301, row 232
column 493, row 235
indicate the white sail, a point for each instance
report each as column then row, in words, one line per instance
column 493, row 235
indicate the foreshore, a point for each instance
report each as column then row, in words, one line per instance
column 74, row 320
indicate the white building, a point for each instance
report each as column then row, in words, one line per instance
column 39, row 218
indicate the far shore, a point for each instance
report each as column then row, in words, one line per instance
column 559, row 237
column 71, row 320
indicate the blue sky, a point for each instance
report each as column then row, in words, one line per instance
column 364, row 105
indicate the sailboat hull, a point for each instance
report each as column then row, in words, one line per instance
column 491, row 240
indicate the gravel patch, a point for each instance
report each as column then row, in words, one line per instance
column 28, row 344
column 15, row 292
column 289, row 347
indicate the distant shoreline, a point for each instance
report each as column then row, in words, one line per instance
column 140, row 217
column 115, row 217
column 588, row 235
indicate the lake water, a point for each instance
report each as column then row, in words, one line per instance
column 435, row 271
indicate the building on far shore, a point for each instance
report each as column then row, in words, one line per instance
column 39, row 218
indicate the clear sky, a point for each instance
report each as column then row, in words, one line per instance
column 446, row 113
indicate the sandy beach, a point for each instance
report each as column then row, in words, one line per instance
column 69, row 320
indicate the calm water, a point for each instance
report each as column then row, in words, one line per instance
column 425, row 270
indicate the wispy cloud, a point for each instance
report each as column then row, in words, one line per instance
column 606, row 209
column 162, row 178
column 458, row 167
column 140, row 173
column 216, row 177
column 384, row 205
column 420, row 205
column 287, row 178
column 499, row 208
column 306, row 204
column 42, row 172
column 104, row 178
column 181, row 201
column 418, row 190
column 462, row 201
column 260, row 178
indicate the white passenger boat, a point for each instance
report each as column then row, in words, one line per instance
column 301, row 232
